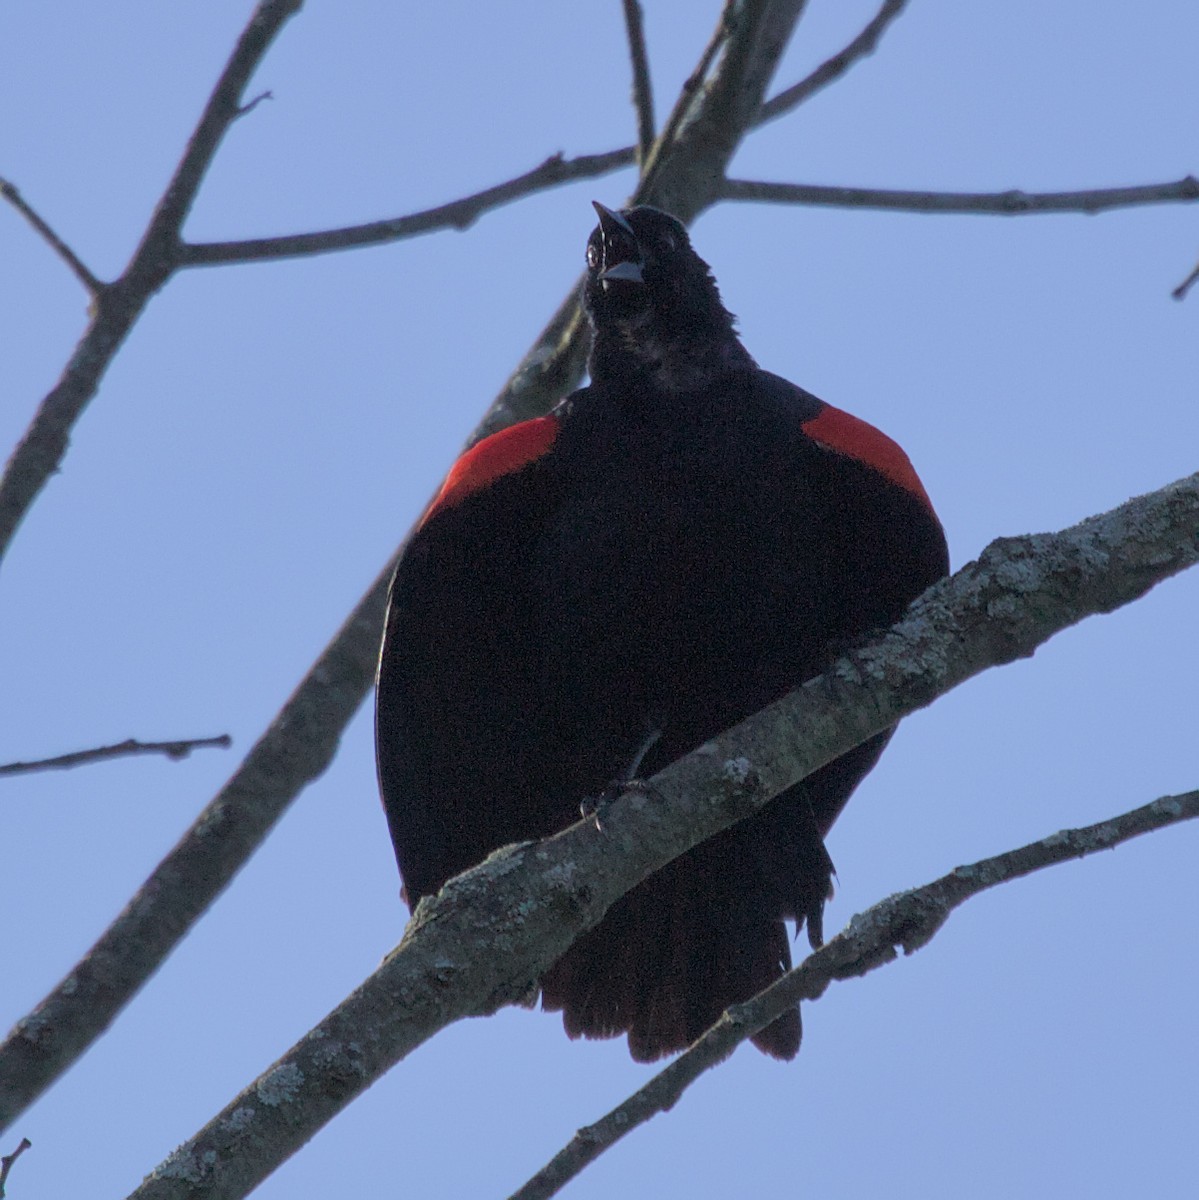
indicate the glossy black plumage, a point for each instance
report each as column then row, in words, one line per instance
column 681, row 542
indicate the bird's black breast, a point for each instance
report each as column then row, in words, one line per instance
column 707, row 556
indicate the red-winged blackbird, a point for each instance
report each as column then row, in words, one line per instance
column 673, row 547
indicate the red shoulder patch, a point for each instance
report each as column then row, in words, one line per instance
column 850, row 435
column 500, row 454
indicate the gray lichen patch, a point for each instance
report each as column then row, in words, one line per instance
column 280, row 1086
column 240, row 1119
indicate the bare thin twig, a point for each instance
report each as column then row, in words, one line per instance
column 909, row 919
column 833, row 68
column 459, row 214
column 6, row 1162
column 1009, row 204
column 119, row 304
column 534, row 899
column 176, row 749
column 1180, row 292
column 244, row 110
column 10, row 193
column 643, row 95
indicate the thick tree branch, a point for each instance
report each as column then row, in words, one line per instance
column 79, row 270
column 687, row 94
column 643, row 92
column 833, row 68
column 180, row 748
column 458, row 214
column 485, row 939
column 118, row 305
column 707, row 127
column 1009, row 204
column 909, row 919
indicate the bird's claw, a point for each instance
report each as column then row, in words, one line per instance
column 595, row 807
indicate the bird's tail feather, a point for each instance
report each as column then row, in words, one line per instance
column 666, row 961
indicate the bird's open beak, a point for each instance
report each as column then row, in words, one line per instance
column 622, row 253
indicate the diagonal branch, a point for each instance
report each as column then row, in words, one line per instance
column 833, row 68
column 13, row 196
column 119, row 304
column 651, row 162
column 909, row 919
column 180, row 748
column 534, row 899
column 643, row 94
column 459, row 214
column 295, row 750
column 1009, row 204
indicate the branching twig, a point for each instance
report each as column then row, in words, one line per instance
column 909, row 919
column 7, row 1161
column 244, row 110
column 1010, row 203
column 118, row 305
column 491, row 932
column 643, row 94
column 157, row 255
column 833, row 68
column 177, row 749
column 10, row 193
column 459, row 214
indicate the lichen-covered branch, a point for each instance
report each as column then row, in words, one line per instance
column 485, row 939
column 910, row 919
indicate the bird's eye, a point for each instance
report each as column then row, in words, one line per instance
column 668, row 242
column 593, row 256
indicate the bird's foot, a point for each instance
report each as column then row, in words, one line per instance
column 596, row 807
column 623, row 785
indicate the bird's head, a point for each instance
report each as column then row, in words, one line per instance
column 652, row 300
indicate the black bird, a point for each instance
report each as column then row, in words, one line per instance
column 673, row 547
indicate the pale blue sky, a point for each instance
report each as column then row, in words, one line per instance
column 269, row 433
